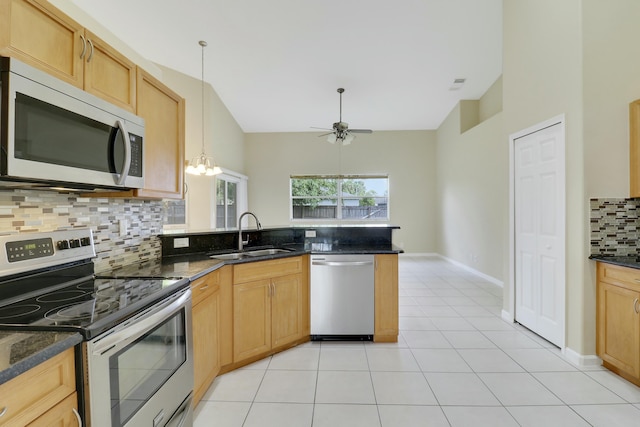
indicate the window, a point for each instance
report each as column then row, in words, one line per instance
column 231, row 198
column 341, row 197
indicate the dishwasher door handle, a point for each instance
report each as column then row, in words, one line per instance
column 341, row 263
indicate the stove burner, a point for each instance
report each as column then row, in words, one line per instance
column 61, row 296
column 87, row 310
column 18, row 310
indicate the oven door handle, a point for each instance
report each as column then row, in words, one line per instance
column 141, row 324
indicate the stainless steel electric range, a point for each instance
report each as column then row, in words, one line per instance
column 136, row 360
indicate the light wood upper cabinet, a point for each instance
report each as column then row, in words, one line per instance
column 39, row 34
column 163, row 111
column 36, row 32
column 109, row 74
column 386, row 298
column 618, row 320
column 29, row 397
column 634, row 148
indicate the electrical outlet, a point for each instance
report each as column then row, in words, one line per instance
column 181, row 242
column 122, row 227
column 309, row 233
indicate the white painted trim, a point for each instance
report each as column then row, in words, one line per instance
column 580, row 360
column 560, row 119
column 507, row 317
column 427, row 254
column 474, row 271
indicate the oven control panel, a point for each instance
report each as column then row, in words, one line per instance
column 28, row 251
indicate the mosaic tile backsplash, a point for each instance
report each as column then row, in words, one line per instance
column 615, row 227
column 23, row 211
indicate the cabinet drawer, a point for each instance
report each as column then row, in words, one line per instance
column 204, row 286
column 31, row 394
column 618, row 275
column 61, row 415
column 266, row 269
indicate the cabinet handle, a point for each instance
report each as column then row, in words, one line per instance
column 4, row 411
column 635, row 306
column 91, row 46
column 204, row 288
column 77, row 417
column 84, row 46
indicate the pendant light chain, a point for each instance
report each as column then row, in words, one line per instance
column 203, row 164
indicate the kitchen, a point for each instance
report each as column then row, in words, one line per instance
column 597, row 157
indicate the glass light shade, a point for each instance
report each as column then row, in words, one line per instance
column 347, row 139
column 332, row 138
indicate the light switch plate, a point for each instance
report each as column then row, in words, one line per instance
column 309, row 233
column 181, row 242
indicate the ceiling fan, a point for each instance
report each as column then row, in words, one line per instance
column 341, row 132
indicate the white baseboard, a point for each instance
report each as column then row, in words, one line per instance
column 507, row 317
column 581, row 360
column 474, row 271
column 428, row 254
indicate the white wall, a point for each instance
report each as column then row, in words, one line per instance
column 408, row 157
column 575, row 57
column 224, row 141
column 473, row 172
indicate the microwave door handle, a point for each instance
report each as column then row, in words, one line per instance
column 126, row 164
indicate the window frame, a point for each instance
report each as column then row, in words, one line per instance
column 340, row 197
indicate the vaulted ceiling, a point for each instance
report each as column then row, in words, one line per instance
column 277, row 64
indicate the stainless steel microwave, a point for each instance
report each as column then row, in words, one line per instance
column 55, row 134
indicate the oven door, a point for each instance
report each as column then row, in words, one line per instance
column 141, row 372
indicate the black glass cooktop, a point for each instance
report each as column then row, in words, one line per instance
column 89, row 306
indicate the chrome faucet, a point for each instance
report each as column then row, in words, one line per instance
column 241, row 243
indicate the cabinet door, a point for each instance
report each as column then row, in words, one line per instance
column 39, row 34
column 31, row 394
column 163, row 112
column 226, row 315
column 386, row 298
column 286, row 309
column 206, row 360
column 251, row 319
column 61, row 415
column 109, row 74
column 618, row 327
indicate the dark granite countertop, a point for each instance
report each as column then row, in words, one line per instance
column 625, row 261
column 197, row 265
column 21, row 351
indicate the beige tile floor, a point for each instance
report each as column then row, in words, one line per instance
column 457, row 363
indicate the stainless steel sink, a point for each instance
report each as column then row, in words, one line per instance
column 255, row 253
column 235, row 255
column 263, row 252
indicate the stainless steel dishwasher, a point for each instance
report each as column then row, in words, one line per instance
column 342, row 297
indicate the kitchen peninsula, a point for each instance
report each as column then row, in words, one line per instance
column 248, row 307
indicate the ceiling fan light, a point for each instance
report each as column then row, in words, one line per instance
column 332, row 138
column 347, row 139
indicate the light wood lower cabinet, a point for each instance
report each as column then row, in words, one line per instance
column 270, row 306
column 386, row 298
column 205, row 294
column 211, row 307
column 43, row 396
column 618, row 320
column 61, row 415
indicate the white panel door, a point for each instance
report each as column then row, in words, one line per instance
column 539, row 232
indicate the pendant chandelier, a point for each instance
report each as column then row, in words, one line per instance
column 203, row 164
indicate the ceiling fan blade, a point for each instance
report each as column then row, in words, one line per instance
column 325, row 134
column 361, row 130
column 313, row 127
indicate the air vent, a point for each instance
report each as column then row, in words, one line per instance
column 457, row 84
